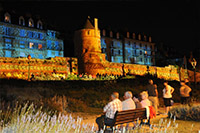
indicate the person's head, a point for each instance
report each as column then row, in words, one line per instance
column 144, row 95
column 150, row 81
column 165, row 83
column 128, row 94
column 114, row 95
column 182, row 83
column 186, row 80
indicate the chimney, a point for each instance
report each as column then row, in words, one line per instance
column 96, row 23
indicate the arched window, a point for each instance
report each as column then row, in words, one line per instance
column 21, row 20
column 39, row 24
column 7, row 18
column 30, row 22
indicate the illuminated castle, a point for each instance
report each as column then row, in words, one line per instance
column 21, row 36
column 96, row 56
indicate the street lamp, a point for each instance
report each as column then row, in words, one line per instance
column 194, row 63
column 29, row 57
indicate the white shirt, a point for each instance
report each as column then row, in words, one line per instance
column 128, row 104
column 145, row 103
column 167, row 93
column 111, row 108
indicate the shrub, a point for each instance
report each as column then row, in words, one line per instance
column 76, row 105
column 186, row 112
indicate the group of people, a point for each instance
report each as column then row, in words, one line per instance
column 149, row 98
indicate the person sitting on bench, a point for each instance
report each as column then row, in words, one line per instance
column 109, row 111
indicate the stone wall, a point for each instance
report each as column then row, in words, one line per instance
column 44, row 69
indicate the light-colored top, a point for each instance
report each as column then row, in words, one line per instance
column 145, row 103
column 185, row 91
column 167, row 91
column 111, row 108
column 128, row 104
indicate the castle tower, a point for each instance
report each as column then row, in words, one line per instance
column 88, row 47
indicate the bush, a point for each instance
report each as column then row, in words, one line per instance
column 186, row 112
column 76, row 105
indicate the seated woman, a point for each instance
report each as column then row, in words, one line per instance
column 145, row 101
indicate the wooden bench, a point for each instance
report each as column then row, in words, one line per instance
column 127, row 116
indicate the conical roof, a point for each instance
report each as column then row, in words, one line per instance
column 88, row 24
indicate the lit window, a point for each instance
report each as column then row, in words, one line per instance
column 30, row 23
column 40, row 46
column 56, row 53
column 7, row 53
column 111, row 34
column 7, row 18
column 22, row 33
column 49, row 44
column 22, row 54
column 56, row 45
column 40, row 56
column 22, row 44
column 31, row 45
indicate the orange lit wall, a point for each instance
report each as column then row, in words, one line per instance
column 19, row 67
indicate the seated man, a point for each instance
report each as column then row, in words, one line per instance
column 128, row 103
column 109, row 110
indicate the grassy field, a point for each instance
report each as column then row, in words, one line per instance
column 84, row 98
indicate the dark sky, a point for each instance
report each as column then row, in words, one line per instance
column 174, row 24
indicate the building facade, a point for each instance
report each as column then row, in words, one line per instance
column 26, row 36
column 125, row 48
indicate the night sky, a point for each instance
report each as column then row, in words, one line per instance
column 173, row 24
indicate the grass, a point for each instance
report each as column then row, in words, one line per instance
column 29, row 118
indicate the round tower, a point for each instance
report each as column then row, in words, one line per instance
column 88, row 46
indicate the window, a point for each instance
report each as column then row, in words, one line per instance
column 56, row 45
column 141, row 59
column 7, row 53
column 22, row 44
column 8, row 31
column 56, row 53
column 88, row 32
column 40, row 36
column 127, row 35
column 39, row 24
column 111, row 34
column 30, row 22
column 49, row 44
column 7, row 18
column 49, row 53
column 8, row 44
column 40, row 56
column 117, row 35
column 22, row 54
column 21, row 20
column 30, row 34
column 22, row 33
column 31, row 45
column 140, row 52
column 40, row 46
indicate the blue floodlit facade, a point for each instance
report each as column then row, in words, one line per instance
column 126, row 48
column 27, row 36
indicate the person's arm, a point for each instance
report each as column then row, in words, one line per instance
column 172, row 90
column 106, row 108
column 182, row 91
